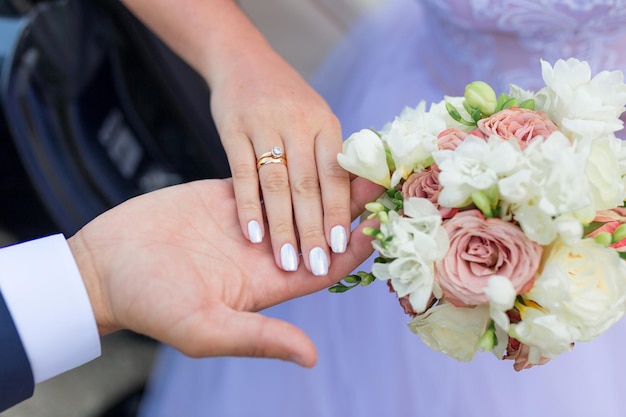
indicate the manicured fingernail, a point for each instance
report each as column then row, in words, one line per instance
column 338, row 239
column 318, row 261
column 288, row 257
column 254, row 232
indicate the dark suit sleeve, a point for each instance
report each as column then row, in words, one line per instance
column 16, row 376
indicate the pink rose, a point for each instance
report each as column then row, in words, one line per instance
column 425, row 184
column 616, row 214
column 522, row 124
column 449, row 139
column 518, row 352
column 480, row 248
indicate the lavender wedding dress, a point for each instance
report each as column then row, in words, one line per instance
column 370, row 364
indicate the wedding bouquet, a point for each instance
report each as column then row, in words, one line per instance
column 502, row 227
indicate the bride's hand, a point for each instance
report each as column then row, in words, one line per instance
column 306, row 196
column 173, row 265
column 260, row 102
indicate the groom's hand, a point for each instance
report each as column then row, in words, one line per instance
column 174, row 265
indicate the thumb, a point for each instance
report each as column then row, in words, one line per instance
column 254, row 335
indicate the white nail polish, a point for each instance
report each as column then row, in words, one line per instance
column 254, row 232
column 338, row 239
column 318, row 261
column 288, row 257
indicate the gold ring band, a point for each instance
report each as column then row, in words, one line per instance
column 274, row 156
column 270, row 160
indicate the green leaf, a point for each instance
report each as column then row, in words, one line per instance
column 528, row 104
column 352, row 279
column 367, row 280
column 503, row 98
column 453, row 112
column 476, row 115
column 469, row 109
column 338, row 288
column 622, row 255
column 511, row 102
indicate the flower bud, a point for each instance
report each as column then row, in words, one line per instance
column 488, row 340
column 374, row 207
column 603, row 238
column 483, row 203
column 619, row 234
column 481, row 96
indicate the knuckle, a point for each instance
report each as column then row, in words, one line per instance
column 332, row 170
column 243, row 172
column 249, row 205
column 336, row 211
column 281, row 228
column 311, row 233
column 275, row 182
column 306, row 186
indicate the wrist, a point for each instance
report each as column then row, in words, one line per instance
column 94, row 283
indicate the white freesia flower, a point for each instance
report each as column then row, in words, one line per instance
column 536, row 223
column 550, row 182
column 583, row 285
column 569, row 229
column 452, row 330
column 558, row 171
column 411, row 138
column 475, row 165
column 364, row 155
column 544, row 333
column 439, row 109
column 501, row 295
column 417, row 242
column 521, row 94
column 604, row 173
column 583, row 106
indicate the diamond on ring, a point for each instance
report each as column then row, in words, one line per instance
column 276, row 155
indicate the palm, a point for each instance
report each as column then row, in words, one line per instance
column 190, row 254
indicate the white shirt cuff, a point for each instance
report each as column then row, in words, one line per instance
column 45, row 294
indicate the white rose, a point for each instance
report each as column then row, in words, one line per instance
column 583, row 286
column 364, row 155
column 452, row 330
column 604, row 173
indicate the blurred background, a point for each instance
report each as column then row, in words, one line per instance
column 59, row 172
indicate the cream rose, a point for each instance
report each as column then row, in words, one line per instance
column 584, row 286
column 452, row 330
column 604, row 174
column 479, row 249
column 521, row 124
